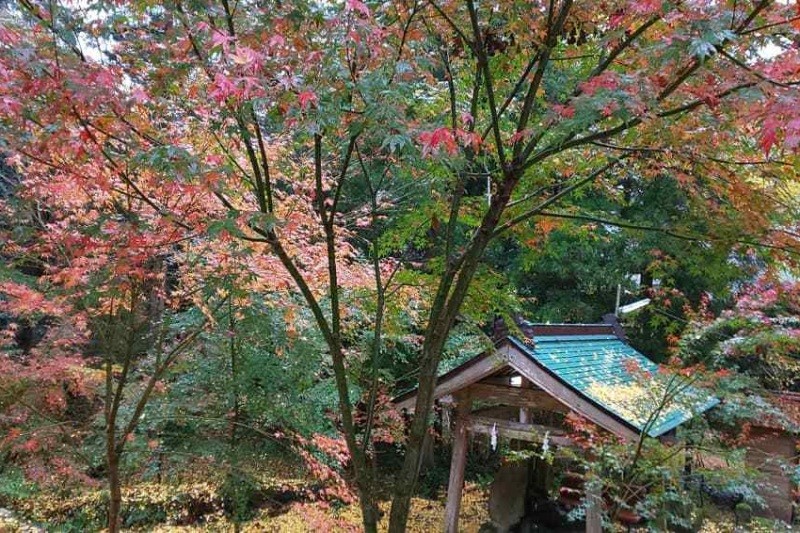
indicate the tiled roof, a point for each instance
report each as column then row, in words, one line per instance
column 618, row 379
column 594, row 364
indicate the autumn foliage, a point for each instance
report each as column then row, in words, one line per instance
column 360, row 158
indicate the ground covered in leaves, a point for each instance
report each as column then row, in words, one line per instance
column 288, row 506
column 198, row 507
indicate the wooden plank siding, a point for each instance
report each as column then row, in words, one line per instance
column 516, row 396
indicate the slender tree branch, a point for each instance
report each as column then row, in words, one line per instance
column 666, row 231
column 514, row 92
column 624, row 45
column 770, row 25
column 264, row 163
column 403, row 37
column 554, row 29
column 446, row 17
column 342, row 176
column 380, row 305
column 744, row 66
column 558, row 196
column 483, row 62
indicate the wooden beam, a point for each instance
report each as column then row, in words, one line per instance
column 516, row 396
column 516, row 430
column 457, row 464
column 523, row 364
column 498, row 380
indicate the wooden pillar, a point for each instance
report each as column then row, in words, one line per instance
column 447, row 423
column 457, row 464
column 594, row 515
column 524, row 412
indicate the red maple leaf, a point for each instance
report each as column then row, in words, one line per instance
column 307, row 98
column 432, row 141
column 769, row 134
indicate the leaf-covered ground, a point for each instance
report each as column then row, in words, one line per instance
column 426, row 515
column 198, row 507
column 175, row 503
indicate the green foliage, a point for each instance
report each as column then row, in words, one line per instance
column 571, row 278
column 9, row 273
column 239, row 493
column 481, row 466
column 652, row 482
column 568, row 271
column 14, row 487
column 265, row 360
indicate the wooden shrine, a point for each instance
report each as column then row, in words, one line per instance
column 513, row 391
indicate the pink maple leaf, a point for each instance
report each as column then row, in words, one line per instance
column 605, row 80
column 10, row 106
column 223, row 87
column 566, row 111
column 792, row 140
column 358, row 7
column 276, row 41
column 244, row 56
column 220, row 39
column 8, row 36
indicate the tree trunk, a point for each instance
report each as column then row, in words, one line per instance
column 114, row 489
column 364, row 481
column 446, row 305
column 406, row 481
column 369, row 511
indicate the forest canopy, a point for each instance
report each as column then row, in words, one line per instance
column 232, row 229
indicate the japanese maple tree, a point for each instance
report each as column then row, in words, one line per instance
column 264, row 123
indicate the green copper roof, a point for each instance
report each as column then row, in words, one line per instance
column 596, row 365
column 619, row 379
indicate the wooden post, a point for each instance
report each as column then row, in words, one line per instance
column 447, row 423
column 457, row 464
column 524, row 412
column 594, row 516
